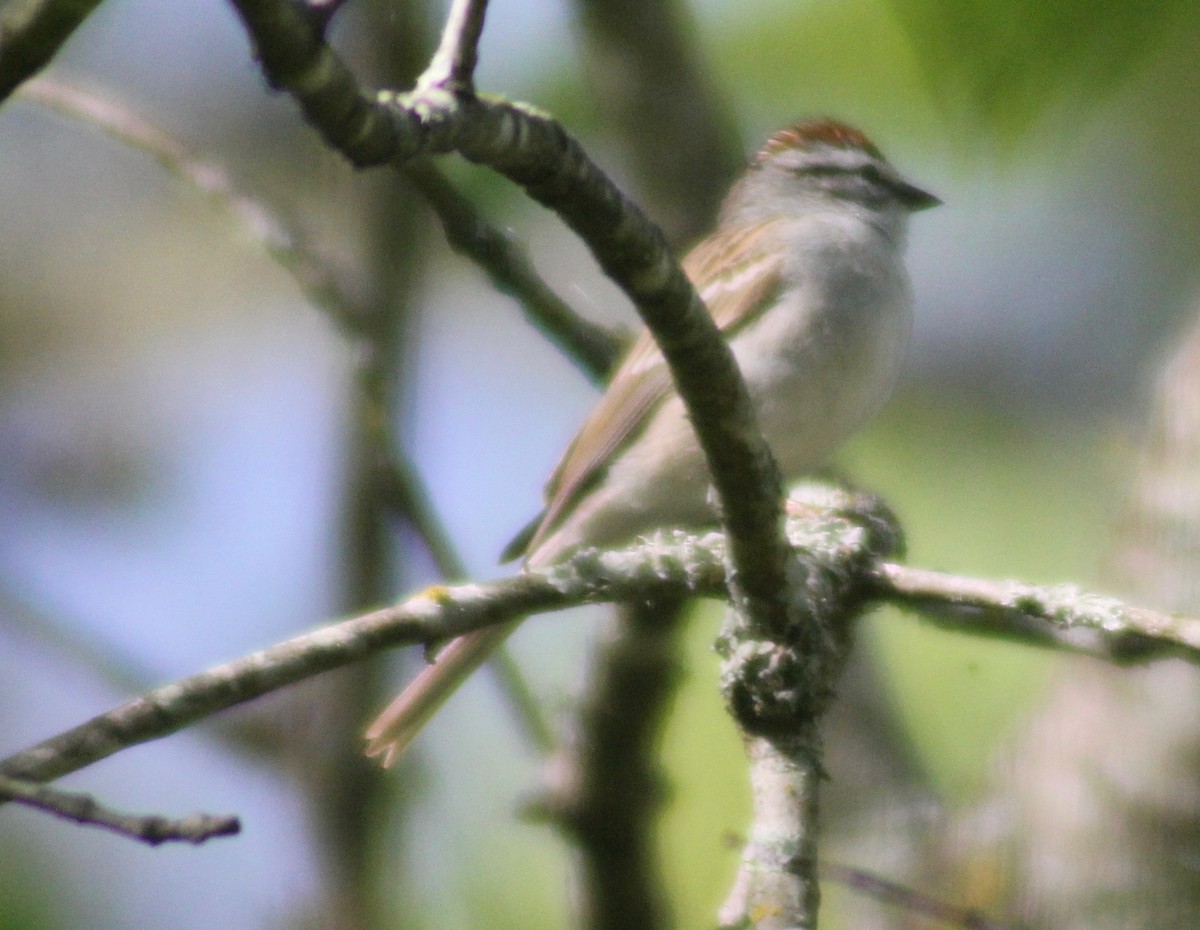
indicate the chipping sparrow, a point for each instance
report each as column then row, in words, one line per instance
column 803, row 273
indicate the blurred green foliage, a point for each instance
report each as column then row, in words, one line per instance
column 1007, row 66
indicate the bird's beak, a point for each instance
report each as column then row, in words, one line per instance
column 913, row 197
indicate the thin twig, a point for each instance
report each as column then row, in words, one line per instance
column 148, row 828
column 402, row 491
column 592, row 347
column 909, row 899
column 278, row 235
column 453, row 64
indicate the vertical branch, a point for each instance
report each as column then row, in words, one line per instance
column 453, row 65
column 777, row 888
column 779, row 685
column 608, row 788
column 351, row 799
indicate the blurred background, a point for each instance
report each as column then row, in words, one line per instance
column 182, row 456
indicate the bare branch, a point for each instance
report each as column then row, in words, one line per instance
column 605, row 788
column 1060, row 615
column 84, row 809
column 278, row 235
column 505, row 261
column 534, row 151
column 908, row 898
column 32, row 32
column 453, row 64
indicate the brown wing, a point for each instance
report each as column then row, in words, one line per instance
column 735, row 277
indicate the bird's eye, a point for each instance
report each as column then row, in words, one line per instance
column 819, row 171
column 872, row 173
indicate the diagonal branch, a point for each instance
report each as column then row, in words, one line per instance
column 282, row 239
column 535, row 151
column 84, row 809
column 669, row 565
column 505, row 261
column 32, row 32
column 592, row 347
column 438, row 613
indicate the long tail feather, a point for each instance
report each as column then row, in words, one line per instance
column 392, row 732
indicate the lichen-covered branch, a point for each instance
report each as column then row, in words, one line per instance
column 778, row 686
column 834, row 535
column 668, row 565
column 83, row 809
column 436, row 614
column 1059, row 615
column 776, row 887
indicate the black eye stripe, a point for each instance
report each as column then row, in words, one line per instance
column 868, row 172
